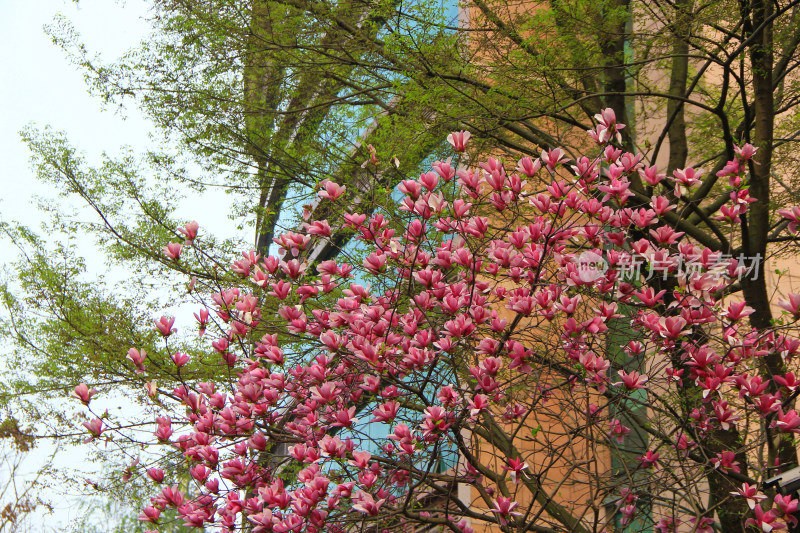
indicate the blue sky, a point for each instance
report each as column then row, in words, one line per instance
column 40, row 87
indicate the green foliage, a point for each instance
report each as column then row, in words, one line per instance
column 114, row 508
column 263, row 100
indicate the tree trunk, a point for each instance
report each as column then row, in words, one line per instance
column 679, row 71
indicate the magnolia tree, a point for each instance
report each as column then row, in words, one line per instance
column 535, row 349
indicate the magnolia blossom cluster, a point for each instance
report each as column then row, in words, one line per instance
column 471, row 311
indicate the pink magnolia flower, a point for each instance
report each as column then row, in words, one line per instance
column 95, row 428
column 462, row 525
column 173, row 251
column 436, row 420
column 668, row 525
column 172, row 496
column 366, row 504
column 661, row 205
column 650, row 459
column 156, row 474
column 478, row 404
column 516, row 467
column 137, row 358
column 687, row 176
column 751, row 494
column 345, row 417
column 742, row 198
column 732, row 169
column 745, row 152
column 164, row 430
column 505, row 508
column 618, row 431
column 617, row 189
column 792, row 304
column 666, row 235
column 373, row 156
column 331, row 190
column 632, row 380
column 150, row 514
column 386, row 412
column 649, row 296
column 164, row 326
column 764, row 520
column 730, row 214
column 788, row 507
column 318, row 227
column 789, row 380
column 454, row 278
column 600, row 134
column 528, row 166
column 703, row 524
column 375, row 262
column 651, row 175
column 672, row 326
column 83, row 393
column 190, row 232
column 429, row 180
column 202, row 320
column 200, row 472
column 459, row 139
column 608, row 119
column 444, row 169
column 180, row 359
column 726, row 461
column 128, row 474
column 788, row 422
column 738, row 310
column 361, row 459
